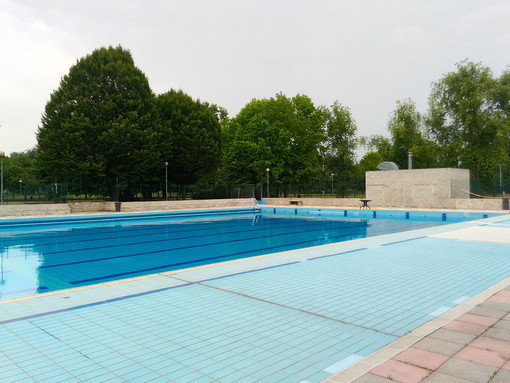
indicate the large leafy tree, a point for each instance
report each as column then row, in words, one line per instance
column 464, row 119
column 341, row 142
column 195, row 132
column 101, row 125
column 281, row 134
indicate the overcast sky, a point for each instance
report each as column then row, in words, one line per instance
column 367, row 54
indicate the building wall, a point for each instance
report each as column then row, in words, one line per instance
column 417, row 188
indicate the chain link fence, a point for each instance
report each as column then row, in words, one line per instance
column 490, row 187
column 34, row 193
column 16, row 193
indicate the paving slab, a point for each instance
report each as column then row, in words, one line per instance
column 494, row 345
column 478, row 355
column 453, row 336
column 466, row 327
column 497, row 333
column 401, row 372
column 503, row 325
column 501, row 297
column 467, row 370
column 438, row 346
column 421, row 358
column 501, row 377
column 370, row 378
column 493, row 305
column 477, row 319
column 488, row 312
column 437, row 377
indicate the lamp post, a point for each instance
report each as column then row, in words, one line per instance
column 2, row 154
column 166, row 181
column 332, row 189
column 500, row 179
column 20, row 182
column 267, row 173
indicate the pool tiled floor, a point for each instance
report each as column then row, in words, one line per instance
column 332, row 313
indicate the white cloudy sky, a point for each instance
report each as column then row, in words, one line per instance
column 367, row 54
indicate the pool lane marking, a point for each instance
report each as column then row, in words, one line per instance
column 334, row 255
column 404, row 240
column 244, row 272
column 72, row 308
column 32, row 290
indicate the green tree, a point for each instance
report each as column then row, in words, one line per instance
column 463, row 119
column 194, row 129
column 369, row 162
column 501, row 96
column 380, row 144
column 341, row 142
column 406, row 130
column 101, row 125
column 20, row 166
column 280, row 134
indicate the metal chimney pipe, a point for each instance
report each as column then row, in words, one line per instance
column 410, row 156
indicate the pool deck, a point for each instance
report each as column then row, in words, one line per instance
column 429, row 305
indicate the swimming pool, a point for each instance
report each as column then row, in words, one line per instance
column 48, row 254
column 297, row 316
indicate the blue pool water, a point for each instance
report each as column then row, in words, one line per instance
column 48, row 254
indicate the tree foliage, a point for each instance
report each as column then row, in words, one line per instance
column 407, row 135
column 380, row 144
column 101, row 124
column 341, row 139
column 281, row 134
column 465, row 119
column 194, row 130
column 20, row 166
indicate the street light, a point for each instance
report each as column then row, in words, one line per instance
column 166, row 181
column 2, row 154
column 20, row 181
column 267, row 172
column 332, row 190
